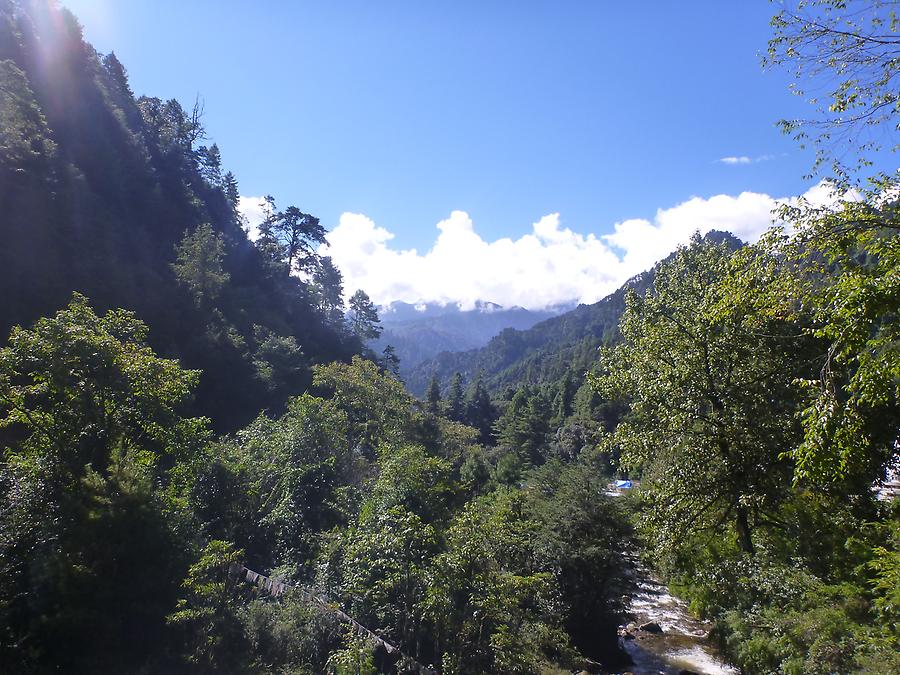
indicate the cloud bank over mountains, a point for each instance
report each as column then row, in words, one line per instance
column 550, row 265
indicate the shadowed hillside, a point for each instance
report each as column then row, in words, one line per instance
column 98, row 186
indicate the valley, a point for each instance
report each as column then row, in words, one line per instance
column 220, row 454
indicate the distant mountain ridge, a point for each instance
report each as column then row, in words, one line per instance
column 547, row 349
column 418, row 332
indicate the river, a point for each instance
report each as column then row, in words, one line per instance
column 673, row 640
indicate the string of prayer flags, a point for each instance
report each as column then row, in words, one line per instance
column 277, row 588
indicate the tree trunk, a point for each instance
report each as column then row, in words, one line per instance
column 742, row 525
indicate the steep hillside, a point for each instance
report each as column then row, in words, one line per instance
column 544, row 352
column 98, row 187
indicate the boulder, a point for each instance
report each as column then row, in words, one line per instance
column 651, row 627
column 625, row 634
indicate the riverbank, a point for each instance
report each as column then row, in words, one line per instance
column 662, row 636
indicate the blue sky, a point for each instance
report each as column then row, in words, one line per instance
column 405, row 112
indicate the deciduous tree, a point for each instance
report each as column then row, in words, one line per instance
column 710, row 385
column 844, row 57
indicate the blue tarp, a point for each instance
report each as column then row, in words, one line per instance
column 624, row 484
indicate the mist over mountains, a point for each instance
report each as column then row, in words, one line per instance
column 419, row 332
column 542, row 352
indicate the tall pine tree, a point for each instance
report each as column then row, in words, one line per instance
column 364, row 321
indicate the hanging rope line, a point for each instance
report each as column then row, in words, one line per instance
column 277, row 588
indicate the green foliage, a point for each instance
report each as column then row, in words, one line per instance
column 885, row 582
column 210, row 165
column 199, row 264
column 571, row 439
column 284, row 473
column 92, row 439
column 328, row 290
column 849, row 51
column 77, row 385
column 477, row 559
column 355, row 658
column 474, row 473
column 391, row 361
column 279, row 362
column 290, row 237
column 847, row 265
column 98, row 189
column 384, row 570
column 433, row 397
column 207, row 611
column 479, row 411
column 419, row 483
column 288, row 637
column 363, row 317
column 709, row 382
column 524, row 427
column 508, row 470
column 396, row 534
column 25, row 140
column 778, row 617
column 563, row 400
column 377, row 406
column 820, row 595
column 541, row 354
column 493, row 609
column 455, row 404
column 581, row 537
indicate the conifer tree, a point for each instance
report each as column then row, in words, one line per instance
column 390, row 360
column 230, row 186
column 199, row 264
column 328, row 289
column 433, row 398
column 455, row 403
column 525, row 425
column 117, row 72
column 290, row 237
column 210, row 162
column 364, row 321
column 564, row 399
column 480, row 411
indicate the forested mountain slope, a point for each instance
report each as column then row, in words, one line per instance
column 544, row 352
column 97, row 187
column 419, row 335
column 753, row 391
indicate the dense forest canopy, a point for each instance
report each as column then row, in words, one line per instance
column 183, row 410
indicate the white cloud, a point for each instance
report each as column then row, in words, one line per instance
column 251, row 209
column 549, row 265
column 643, row 243
column 742, row 159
